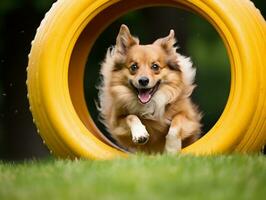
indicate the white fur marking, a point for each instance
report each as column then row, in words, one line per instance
column 186, row 67
column 161, row 100
column 138, row 131
column 153, row 110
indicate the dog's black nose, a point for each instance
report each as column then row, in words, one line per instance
column 144, row 81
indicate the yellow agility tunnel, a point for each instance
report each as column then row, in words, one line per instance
column 59, row 54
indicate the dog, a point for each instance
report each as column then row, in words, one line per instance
column 144, row 95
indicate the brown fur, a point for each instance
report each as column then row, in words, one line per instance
column 169, row 106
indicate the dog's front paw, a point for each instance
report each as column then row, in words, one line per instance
column 140, row 135
column 173, row 143
column 141, row 139
column 172, row 150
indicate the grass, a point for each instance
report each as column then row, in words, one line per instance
column 139, row 177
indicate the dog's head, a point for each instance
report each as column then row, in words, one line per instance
column 148, row 70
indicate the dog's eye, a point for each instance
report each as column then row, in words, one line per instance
column 155, row 67
column 133, row 67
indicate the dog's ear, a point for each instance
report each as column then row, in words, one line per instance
column 172, row 63
column 168, row 42
column 125, row 40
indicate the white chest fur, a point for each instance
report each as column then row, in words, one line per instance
column 153, row 110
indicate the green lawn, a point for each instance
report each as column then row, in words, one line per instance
column 139, row 177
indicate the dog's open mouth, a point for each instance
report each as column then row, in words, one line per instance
column 145, row 94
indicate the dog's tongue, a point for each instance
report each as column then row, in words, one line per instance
column 144, row 96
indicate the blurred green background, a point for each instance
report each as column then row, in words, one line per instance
column 19, row 20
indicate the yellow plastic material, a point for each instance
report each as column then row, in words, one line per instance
column 62, row 44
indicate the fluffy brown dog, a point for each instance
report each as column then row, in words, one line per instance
column 144, row 95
